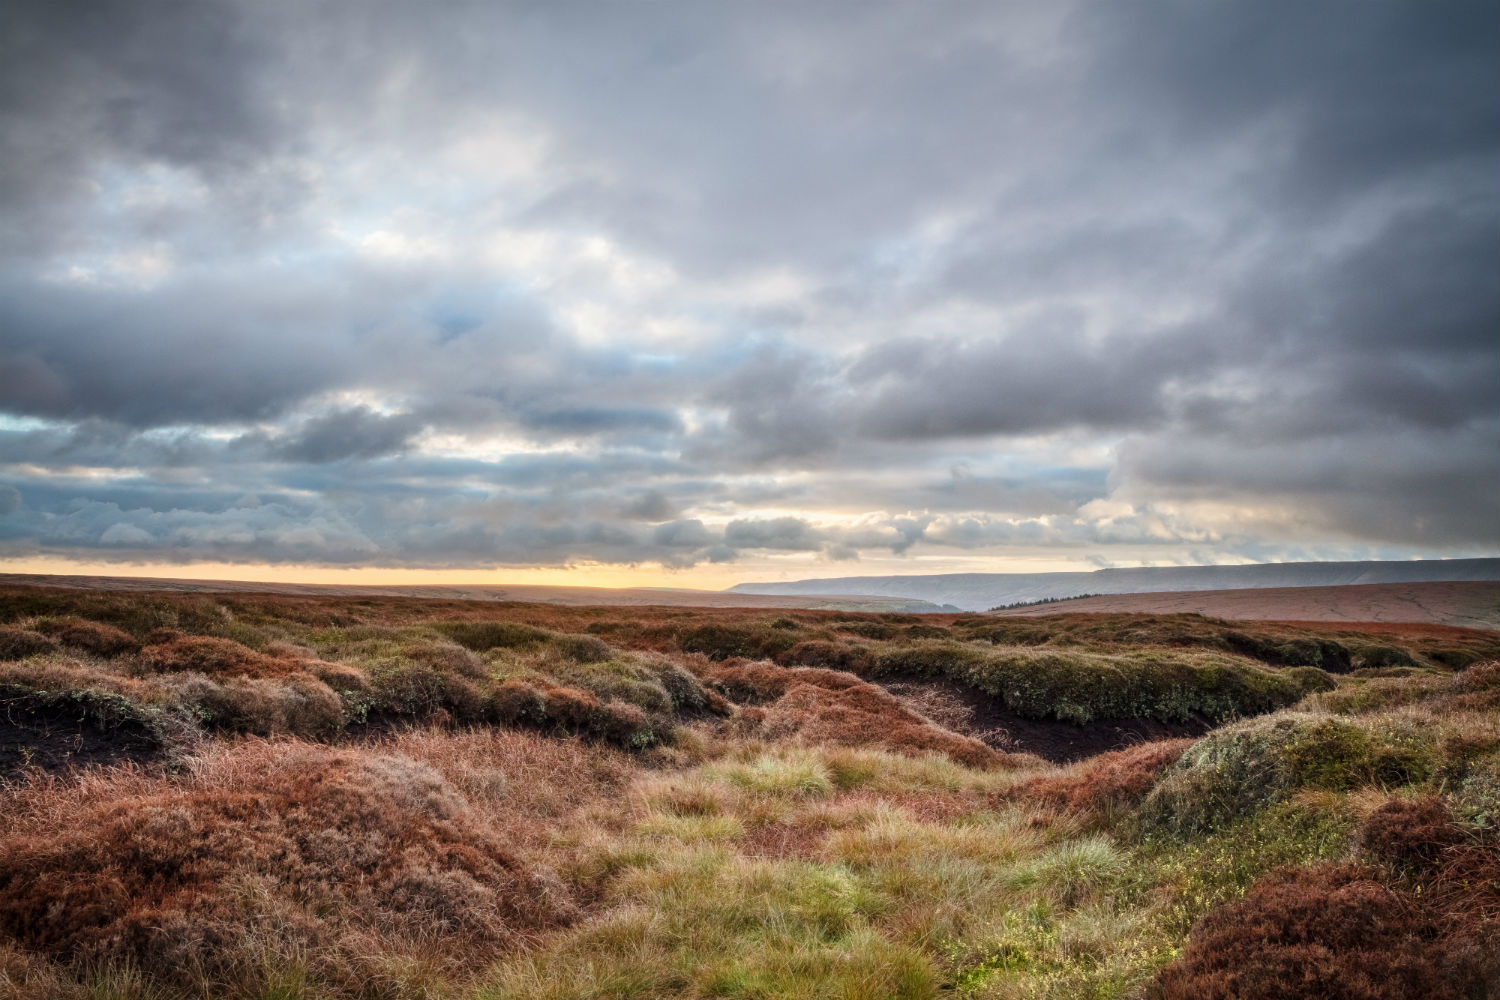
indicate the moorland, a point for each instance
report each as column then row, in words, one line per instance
column 253, row 795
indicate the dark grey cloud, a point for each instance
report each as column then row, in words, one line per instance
column 1041, row 378
column 356, row 432
column 510, row 284
column 1354, row 96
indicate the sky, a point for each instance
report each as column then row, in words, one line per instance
column 687, row 294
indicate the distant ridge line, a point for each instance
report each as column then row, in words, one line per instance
column 981, row 591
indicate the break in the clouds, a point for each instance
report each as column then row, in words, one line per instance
column 459, row 285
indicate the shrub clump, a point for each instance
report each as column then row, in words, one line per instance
column 620, row 723
column 209, row 655
column 1239, row 769
column 826, row 706
column 18, row 643
column 1076, row 686
column 1377, row 657
column 762, row 683
column 1114, row 780
column 1335, row 932
column 298, row 704
column 422, row 691
column 517, row 703
column 91, row 637
column 1410, row 833
column 652, row 683
column 482, row 637
column 722, row 642
column 852, row 657
column 343, row 857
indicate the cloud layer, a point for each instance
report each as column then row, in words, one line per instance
column 682, row 284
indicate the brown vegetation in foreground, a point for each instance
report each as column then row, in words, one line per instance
column 1418, row 917
column 316, row 797
column 343, row 865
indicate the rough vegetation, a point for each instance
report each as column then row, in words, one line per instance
column 332, row 797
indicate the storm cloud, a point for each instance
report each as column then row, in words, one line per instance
column 675, row 284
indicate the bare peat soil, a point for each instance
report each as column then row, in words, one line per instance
column 973, row 713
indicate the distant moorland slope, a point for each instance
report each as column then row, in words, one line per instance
column 982, row 591
column 1466, row 604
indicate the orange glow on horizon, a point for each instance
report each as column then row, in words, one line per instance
column 705, row 576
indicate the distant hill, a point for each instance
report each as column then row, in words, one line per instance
column 528, row 593
column 1466, row 604
column 982, row 591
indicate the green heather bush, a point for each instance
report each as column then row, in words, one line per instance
column 1375, row 657
column 868, row 629
column 1311, row 679
column 1324, row 653
column 624, row 679
column 1279, row 646
column 1237, row 770
column 1362, row 695
column 651, row 682
column 19, row 643
column 484, row 636
column 1474, row 798
column 299, row 704
column 419, row 690
column 1076, row 686
column 445, row 656
column 1454, row 658
column 853, row 657
column 930, row 659
column 1201, row 872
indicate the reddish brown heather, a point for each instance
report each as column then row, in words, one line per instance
column 1113, row 780
column 1475, row 689
column 212, row 656
column 1337, row 931
column 761, row 682
column 91, row 637
column 1411, row 833
column 339, row 855
column 827, row 706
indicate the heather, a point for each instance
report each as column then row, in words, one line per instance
column 327, row 797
